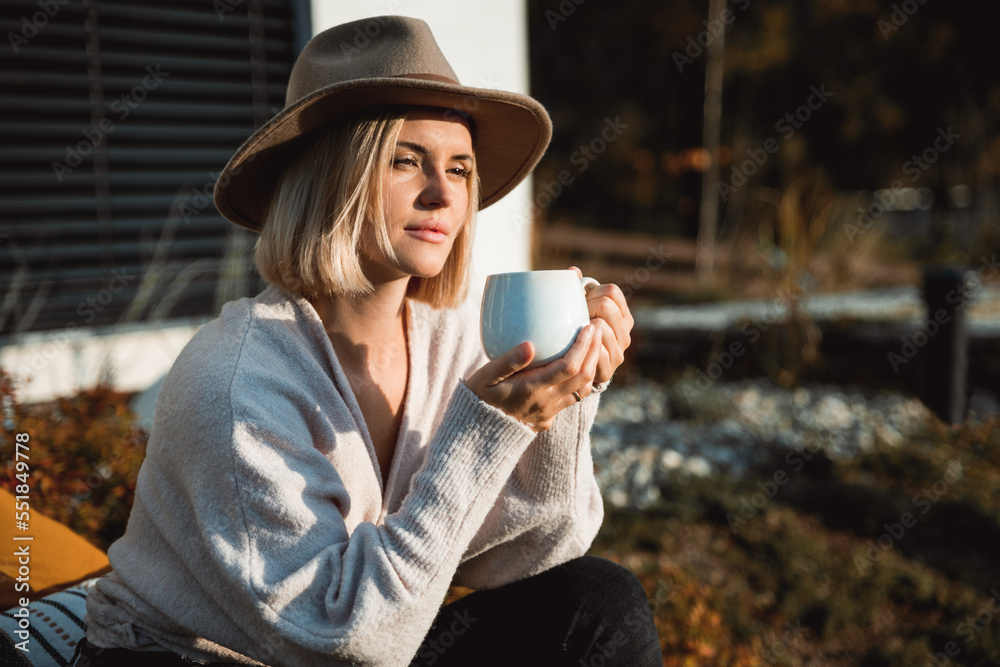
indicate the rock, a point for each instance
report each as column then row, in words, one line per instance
column 729, row 427
column 698, row 466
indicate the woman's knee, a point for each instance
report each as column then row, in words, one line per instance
column 613, row 624
column 607, row 580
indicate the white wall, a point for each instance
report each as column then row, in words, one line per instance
column 59, row 363
column 486, row 44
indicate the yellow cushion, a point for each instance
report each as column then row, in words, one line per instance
column 56, row 555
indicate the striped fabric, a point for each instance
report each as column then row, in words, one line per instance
column 55, row 624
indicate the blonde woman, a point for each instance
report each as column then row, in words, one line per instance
column 330, row 456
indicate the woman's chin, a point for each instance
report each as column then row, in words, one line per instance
column 404, row 267
column 426, row 272
column 424, row 269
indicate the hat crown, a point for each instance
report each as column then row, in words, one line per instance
column 380, row 47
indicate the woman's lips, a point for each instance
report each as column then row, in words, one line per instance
column 427, row 234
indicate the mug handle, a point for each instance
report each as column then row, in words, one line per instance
column 589, row 283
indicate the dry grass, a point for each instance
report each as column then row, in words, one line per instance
column 725, row 597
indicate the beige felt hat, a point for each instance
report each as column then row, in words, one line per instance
column 388, row 61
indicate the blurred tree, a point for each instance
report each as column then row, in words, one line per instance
column 893, row 77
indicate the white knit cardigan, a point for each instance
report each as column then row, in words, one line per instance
column 261, row 532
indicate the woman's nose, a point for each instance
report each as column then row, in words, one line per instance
column 437, row 190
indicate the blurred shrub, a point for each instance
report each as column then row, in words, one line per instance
column 85, row 453
column 813, row 577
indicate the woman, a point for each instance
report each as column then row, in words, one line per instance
column 330, row 456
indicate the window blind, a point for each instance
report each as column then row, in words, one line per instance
column 115, row 120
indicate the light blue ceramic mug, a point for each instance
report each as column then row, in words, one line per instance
column 547, row 308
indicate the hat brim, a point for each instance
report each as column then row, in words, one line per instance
column 512, row 133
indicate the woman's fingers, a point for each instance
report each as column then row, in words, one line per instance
column 611, row 354
column 609, row 310
column 536, row 396
column 492, row 383
column 583, row 382
column 564, row 394
column 608, row 303
column 511, row 362
column 570, row 364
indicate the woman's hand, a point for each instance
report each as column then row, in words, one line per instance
column 536, row 396
column 609, row 311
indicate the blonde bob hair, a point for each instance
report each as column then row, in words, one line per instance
column 310, row 238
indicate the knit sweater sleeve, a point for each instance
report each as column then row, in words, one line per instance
column 549, row 510
column 238, row 546
column 550, row 507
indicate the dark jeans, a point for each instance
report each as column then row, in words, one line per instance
column 589, row 612
column 88, row 655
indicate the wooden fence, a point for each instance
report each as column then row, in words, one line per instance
column 644, row 264
column 649, row 267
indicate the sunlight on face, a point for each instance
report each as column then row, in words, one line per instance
column 428, row 195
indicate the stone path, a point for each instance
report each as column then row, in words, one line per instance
column 639, row 443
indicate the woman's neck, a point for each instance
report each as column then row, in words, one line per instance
column 368, row 334
column 372, row 320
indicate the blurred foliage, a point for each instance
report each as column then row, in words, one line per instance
column 897, row 73
column 825, row 573
column 85, row 454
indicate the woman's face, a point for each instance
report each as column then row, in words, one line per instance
column 428, row 196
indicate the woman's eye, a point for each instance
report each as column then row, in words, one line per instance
column 462, row 172
column 405, row 161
